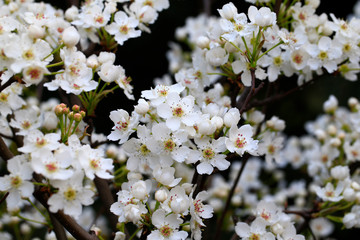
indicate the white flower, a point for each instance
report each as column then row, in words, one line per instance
column 177, row 110
column 17, row 182
column 159, row 94
column 177, row 202
column 262, row 17
column 331, row 104
column 321, row 227
column 71, row 195
column 217, row 56
column 123, row 27
column 257, row 230
column 232, row 117
column 94, row 163
column 268, row 211
column 240, row 140
column 124, row 125
column 329, row 193
column 167, row 227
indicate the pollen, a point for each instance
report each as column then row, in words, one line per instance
column 240, row 141
column 3, row 97
column 208, row 153
column 144, row 150
column 178, row 111
column 124, row 29
column 198, row 206
column 169, row 145
column 122, row 125
column 323, row 55
column 34, row 73
column 298, row 59
column 51, row 167
column 70, row 194
column 99, row 19
column 16, row 181
column 166, row 231
column 40, row 142
column 254, row 236
column 28, row 55
column 25, row 124
column 277, row 61
column 95, row 163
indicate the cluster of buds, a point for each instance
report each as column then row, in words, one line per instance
column 68, row 120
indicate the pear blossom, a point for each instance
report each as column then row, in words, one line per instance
column 240, row 140
column 166, row 227
column 71, row 196
column 124, row 125
column 123, row 27
column 257, row 230
column 330, row 193
column 159, row 93
column 262, row 17
column 17, row 182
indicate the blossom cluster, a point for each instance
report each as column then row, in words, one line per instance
column 192, row 150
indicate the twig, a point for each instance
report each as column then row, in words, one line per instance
column 8, row 83
column 57, row 228
column 231, row 193
column 107, row 200
column 4, row 197
column 5, row 152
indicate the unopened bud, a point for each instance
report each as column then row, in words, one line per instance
column 59, row 110
column 70, row 115
column 70, row 36
column 161, row 195
column 142, row 107
column 36, row 31
column 66, row 110
column 203, row 42
column 83, row 114
column 77, row 117
column 76, row 108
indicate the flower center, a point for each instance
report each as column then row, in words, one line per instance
column 277, row 61
column 16, row 181
column 178, row 111
column 95, row 163
column 70, row 194
column 240, row 141
column 28, row 55
column 40, row 142
column 298, row 59
column 26, row 124
column 3, row 97
column 169, row 145
column 51, row 167
column 144, row 150
column 323, row 55
column 122, row 125
column 124, row 29
column 34, row 73
column 166, row 231
column 208, row 153
column 254, row 236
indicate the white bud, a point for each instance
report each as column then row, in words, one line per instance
column 71, row 13
column 50, row 121
column 25, row 228
column 349, row 194
column 355, row 186
column 36, row 31
column 277, row 228
column 231, row 117
column 188, row 187
column 236, row 200
column 352, row 102
column 70, row 36
column 106, row 57
column 205, row 127
column 139, row 190
column 142, row 107
column 179, row 205
column 180, row 33
column 331, row 104
column 335, row 142
column 331, row 129
column 217, row 121
column 161, row 195
column 110, row 7
column 134, row 176
column 320, row 134
column 340, row 172
column 228, row 11
column 92, row 61
column 300, row 202
column 120, row 236
column 132, row 213
column 313, row 3
column 203, row 42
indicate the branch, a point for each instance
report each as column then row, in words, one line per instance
column 107, row 200
column 68, row 222
column 5, row 152
column 228, row 201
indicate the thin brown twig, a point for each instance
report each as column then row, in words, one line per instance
column 228, row 200
column 5, row 152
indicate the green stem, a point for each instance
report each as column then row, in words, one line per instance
column 32, row 220
column 53, row 73
column 54, row 51
column 37, row 209
column 278, row 44
column 55, row 64
column 134, row 234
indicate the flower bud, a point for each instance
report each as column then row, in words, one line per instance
column 50, row 121
column 83, row 114
column 77, row 117
column 65, row 110
column 330, row 105
column 71, row 13
column 36, row 31
column 228, row 11
column 217, row 121
column 349, row 194
column 277, row 228
column 139, row 190
column 275, row 124
column 70, row 115
column 335, row 142
column 59, row 110
column 232, row 117
column 70, row 36
column 142, row 107
column 76, row 108
column 161, row 195
column 92, row 61
column 340, row 172
column 353, row 104
column 203, row 42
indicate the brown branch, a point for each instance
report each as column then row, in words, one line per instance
column 8, row 83
column 5, row 152
column 57, row 228
column 231, row 193
column 107, row 200
column 277, row 7
column 4, row 197
column 68, row 222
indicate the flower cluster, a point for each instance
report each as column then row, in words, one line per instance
column 193, row 150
